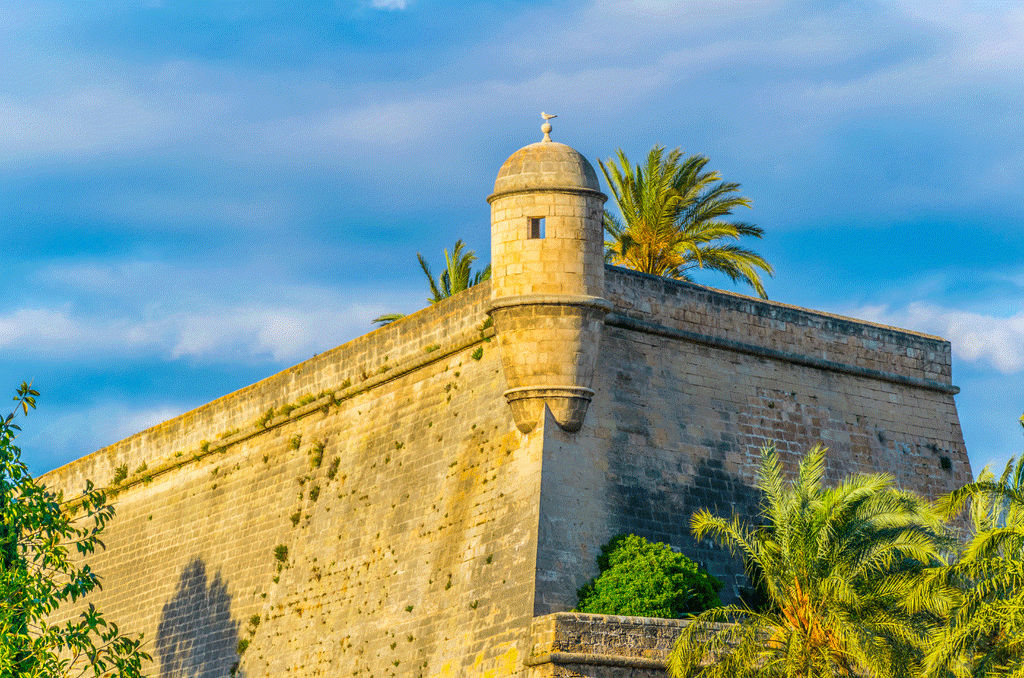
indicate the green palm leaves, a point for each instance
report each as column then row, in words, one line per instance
column 673, row 219
column 458, row 275
column 985, row 634
column 842, row 570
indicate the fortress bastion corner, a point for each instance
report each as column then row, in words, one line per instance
column 426, row 499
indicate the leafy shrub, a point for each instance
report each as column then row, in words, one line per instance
column 639, row 578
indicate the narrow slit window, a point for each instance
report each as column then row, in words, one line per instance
column 536, row 227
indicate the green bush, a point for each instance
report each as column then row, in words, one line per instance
column 639, row 578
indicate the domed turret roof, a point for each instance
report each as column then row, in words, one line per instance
column 546, row 165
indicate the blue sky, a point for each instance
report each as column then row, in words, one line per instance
column 196, row 195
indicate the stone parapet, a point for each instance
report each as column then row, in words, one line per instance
column 573, row 644
column 791, row 330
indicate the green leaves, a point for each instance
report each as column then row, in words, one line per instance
column 37, row 576
column 984, row 635
column 24, row 398
column 844, row 570
column 673, row 215
column 456, row 277
column 645, row 579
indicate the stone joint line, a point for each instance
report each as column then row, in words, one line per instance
column 596, row 660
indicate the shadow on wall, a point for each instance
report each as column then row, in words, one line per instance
column 196, row 637
column 656, row 495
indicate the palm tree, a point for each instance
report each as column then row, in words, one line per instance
column 673, row 215
column 456, row 277
column 985, row 633
column 841, row 568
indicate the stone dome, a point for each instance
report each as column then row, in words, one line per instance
column 546, row 165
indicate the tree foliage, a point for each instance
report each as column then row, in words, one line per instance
column 674, row 219
column 39, row 575
column 645, row 579
column 458, row 275
column 843, row 569
column 984, row 636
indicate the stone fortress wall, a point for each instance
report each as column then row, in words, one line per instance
column 410, row 542
column 694, row 382
column 434, row 479
column 391, row 507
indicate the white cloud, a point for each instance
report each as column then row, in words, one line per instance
column 135, row 313
column 389, row 4
column 80, row 121
column 37, row 331
column 393, row 123
column 102, row 279
column 975, row 337
column 283, row 333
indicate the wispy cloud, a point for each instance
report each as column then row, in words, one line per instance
column 82, row 121
column 389, row 4
column 135, row 310
column 975, row 337
column 278, row 333
column 186, row 211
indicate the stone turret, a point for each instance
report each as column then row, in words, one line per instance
column 547, row 280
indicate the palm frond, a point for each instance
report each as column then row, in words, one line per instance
column 387, row 318
column 672, row 213
column 847, row 570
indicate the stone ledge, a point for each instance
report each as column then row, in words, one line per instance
column 599, row 303
column 596, row 660
column 627, row 323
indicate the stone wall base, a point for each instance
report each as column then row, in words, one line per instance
column 576, row 645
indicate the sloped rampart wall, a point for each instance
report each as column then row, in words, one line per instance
column 384, row 526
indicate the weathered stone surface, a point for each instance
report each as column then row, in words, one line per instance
column 574, row 645
column 547, row 165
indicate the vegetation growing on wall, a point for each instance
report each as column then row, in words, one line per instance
column 643, row 579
